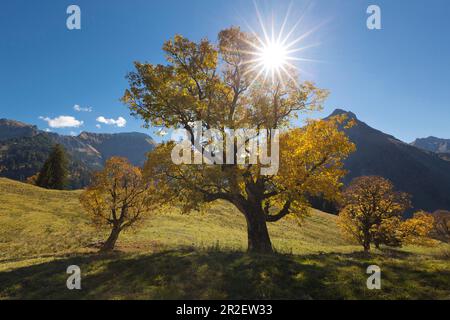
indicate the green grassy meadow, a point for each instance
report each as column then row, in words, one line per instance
column 196, row 256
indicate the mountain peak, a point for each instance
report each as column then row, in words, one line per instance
column 14, row 123
column 433, row 144
column 339, row 112
column 15, row 129
column 381, row 154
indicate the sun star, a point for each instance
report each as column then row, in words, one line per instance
column 273, row 56
column 275, row 53
column 272, row 59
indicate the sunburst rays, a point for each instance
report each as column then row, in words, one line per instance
column 275, row 54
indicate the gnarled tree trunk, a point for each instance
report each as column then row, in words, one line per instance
column 257, row 232
column 366, row 241
column 112, row 239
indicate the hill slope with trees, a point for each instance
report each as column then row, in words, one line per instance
column 170, row 257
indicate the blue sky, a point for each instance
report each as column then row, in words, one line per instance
column 396, row 79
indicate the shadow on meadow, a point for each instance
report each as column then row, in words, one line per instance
column 189, row 274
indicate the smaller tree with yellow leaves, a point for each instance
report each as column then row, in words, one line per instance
column 371, row 212
column 119, row 197
column 442, row 225
column 417, row 230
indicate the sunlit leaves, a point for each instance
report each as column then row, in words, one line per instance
column 119, row 195
column 371, row 211
column 217, row 85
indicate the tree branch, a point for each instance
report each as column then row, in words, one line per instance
column 281, row 214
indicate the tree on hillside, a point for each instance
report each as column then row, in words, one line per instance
column 118, row 198
column 442, row 225
column 33, row 179
column 219, row 87
column 53, row 174
column 371, row 212
column 417, row 230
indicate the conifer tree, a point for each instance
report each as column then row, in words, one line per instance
column 53, row 174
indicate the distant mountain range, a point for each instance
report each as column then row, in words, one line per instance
column 418, row 168
column 24, row 148
column 421, row 173
column 436, row 145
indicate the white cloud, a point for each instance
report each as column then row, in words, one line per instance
column 80, row 109
column 63, row 122
column 98, row 126
column 119, row 122
column 73, row 133
column 47, row 130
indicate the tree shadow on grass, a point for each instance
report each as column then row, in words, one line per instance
column 189, row 274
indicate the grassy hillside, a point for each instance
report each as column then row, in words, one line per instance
column 35, row 222
column 194, row 256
